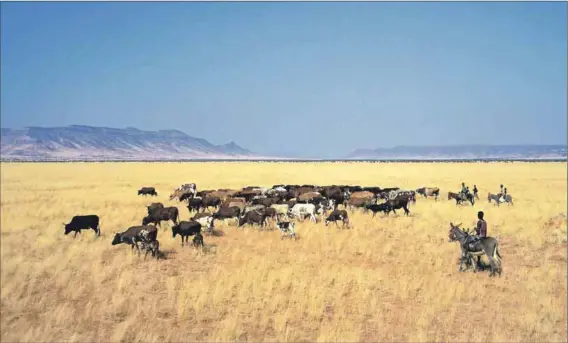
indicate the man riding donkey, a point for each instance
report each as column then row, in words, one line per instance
column 477, row 244
column 480, row 233
column 502, row 195
column 464, row 191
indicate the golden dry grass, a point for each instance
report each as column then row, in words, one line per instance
column 386, row 279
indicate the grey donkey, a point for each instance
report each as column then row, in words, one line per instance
column 485, row 246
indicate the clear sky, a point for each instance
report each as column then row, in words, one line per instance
column 303, row 79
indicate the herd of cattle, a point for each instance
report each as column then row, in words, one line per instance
column 254, row 206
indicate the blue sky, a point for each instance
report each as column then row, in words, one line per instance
column 303, row 79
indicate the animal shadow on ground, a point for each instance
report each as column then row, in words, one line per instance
column 210, row 249
column 165, row 254
column 481, row 266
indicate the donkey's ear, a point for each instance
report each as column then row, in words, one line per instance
column 458, row 225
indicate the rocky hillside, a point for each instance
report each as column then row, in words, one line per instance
column 78, row 142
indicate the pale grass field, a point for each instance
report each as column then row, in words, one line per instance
column 386, row 279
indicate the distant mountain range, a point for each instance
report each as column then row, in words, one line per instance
column 87, row 143
column 465, row 152
column 78, row 142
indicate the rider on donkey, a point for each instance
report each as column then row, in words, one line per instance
column 480, row 233
column 463, row 191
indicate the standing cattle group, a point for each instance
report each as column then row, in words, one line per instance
column 253, row 205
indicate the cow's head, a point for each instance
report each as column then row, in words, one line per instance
column 175, row 230
column 117, row 239
column 67, row 228
column 146, row 220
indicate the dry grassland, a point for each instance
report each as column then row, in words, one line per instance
column 386, row 279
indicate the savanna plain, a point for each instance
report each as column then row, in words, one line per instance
column 389, row 278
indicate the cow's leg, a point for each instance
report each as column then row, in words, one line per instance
column 75, row 234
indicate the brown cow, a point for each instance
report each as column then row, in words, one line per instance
column 309, row 196
column 362, row 195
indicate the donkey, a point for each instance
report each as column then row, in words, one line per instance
column 497, row 199
column 488, row 246
column 459, row 199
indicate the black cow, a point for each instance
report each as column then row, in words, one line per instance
column 162, row 214
column 147, row 191
column 253, row 217
column 377, row 208
column 396, row 204
column 227, row 213
column 153, row 206
column 214, row 202
column 337, row 215
column 186, row 229
column 194, row 204
column 136, row 234
column 86, row 222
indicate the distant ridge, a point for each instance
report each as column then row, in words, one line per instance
column 465, row 152
column 80, row 142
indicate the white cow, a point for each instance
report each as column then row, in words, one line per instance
column 206, row 222
column 301, row 211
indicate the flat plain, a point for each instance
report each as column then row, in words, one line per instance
column 389, row 278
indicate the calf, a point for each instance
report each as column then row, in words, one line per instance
column 135, row 235
column 205, row 219
column 377, row 208
column 86, row 222
column 338, row 215
column 198, row 241
column 162, row 214
column 287, row 227
column 186, row 229
column 153, row 247
column 147, row 191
